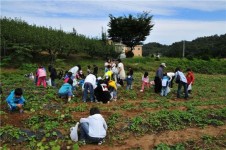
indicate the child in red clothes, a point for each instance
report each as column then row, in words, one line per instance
column 190, row 79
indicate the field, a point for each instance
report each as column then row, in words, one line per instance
column 136, row 121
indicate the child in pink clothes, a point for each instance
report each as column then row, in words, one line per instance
column 145, row 81
column 41, row 74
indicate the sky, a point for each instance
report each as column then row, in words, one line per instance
column 174, row 20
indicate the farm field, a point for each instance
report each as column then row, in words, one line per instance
column 136, row 121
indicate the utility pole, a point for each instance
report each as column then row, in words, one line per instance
column 183, row 48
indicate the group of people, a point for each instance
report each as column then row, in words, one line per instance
column 98, row 89
column 101, row 89
column 164, row 81
column 94, row 128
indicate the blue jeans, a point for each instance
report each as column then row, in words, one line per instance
column 84, row 134
column 67, row 94
column 180, row 84
column 88, row 86
column 164, row 91
column 129, row 86
column 12, row 108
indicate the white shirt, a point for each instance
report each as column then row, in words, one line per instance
column 122, row 74
column 170, row 75
column 182, row 76
column 91, row 79
column 74, row 70
column 97, row 125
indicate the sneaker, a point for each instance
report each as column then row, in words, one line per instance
column 21, row 111
column 100, row 143
column 141, row 90
column 83, row 142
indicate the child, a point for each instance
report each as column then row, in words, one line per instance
column 101, row 92
column 190, row 78
column 66, row 90
column 165, row 83
column 16, row 100
column 95, row 70
column 145, row 81
column 88, row 69
column 41, row 73
column 67, row 77
column 112, row 87
column 89, row 85
column 129, row 81
column 93, row 129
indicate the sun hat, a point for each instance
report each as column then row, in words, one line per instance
column 163, row 64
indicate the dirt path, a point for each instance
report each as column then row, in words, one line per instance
column 148, row 142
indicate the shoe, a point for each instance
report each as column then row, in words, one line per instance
column 83, row 142
column 21, row 111
column 141, row 90
column 100, row 143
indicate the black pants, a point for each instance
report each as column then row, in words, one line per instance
column 158, row 85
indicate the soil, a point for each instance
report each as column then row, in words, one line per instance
column 146, row 142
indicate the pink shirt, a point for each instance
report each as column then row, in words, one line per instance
column 145, row 79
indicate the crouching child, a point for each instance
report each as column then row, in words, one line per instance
column 93, row 129
column 15, row 100
column 66, row 90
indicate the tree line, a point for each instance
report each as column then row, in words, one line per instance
column 22, row 42
column 202, row 47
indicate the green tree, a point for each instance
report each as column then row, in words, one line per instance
column 130, row 30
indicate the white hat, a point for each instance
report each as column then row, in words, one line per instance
column 163, row 64
column 99, row 78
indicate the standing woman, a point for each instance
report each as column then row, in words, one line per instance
column 121, row 72
column 158, row 78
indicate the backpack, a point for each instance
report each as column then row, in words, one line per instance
column 177, row 79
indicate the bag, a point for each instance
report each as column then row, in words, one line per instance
column 49, row 83
column 189, row 87
column 74, row 132
column 177, row 79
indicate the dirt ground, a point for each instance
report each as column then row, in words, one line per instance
column 146, row 141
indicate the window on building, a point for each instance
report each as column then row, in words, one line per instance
column 138, row 48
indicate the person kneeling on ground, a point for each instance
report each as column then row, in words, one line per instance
column 66, row 90
column 101, row 92
column 94, row 128
column 16, row 100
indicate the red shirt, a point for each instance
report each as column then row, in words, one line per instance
column 190, row 77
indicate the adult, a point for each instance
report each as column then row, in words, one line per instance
column 121, row 72
column 158, row 78
column 53, row 74
column 182, row 81
column 89, row 84
column 171, row 76
column 75, row 70
column 93, row 129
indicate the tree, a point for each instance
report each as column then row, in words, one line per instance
column 130, row 30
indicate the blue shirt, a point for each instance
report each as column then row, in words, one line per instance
column 13, row 101
column 65, row 88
